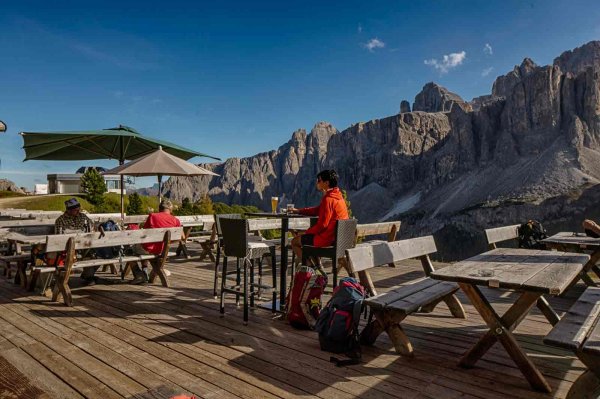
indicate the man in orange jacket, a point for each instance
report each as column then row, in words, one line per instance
column 331, row 209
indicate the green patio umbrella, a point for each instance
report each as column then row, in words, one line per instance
column 121, row 143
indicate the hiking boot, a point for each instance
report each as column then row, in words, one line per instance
column 142, row 278
column 89, row 282
column 139, row 280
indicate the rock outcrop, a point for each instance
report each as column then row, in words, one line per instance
column 404, row 106
column 435, row 98
column 449, row 168
column 7, row 185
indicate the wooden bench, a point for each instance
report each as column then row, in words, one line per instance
column 206, row 237
column 390, row 308
column 506, row 233
column 6, row 261
column 16, row 254
column 579, row 331
column 69, row 243
column 500, row 234
column 374, row 229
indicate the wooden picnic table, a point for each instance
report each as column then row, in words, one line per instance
column 578, row 242
column 187, row 230
column 285, row 224
column 16, row 241
column 533, row 273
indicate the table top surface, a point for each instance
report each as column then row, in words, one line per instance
column 569, row 238
column 25, row 239
column 275, row 215
column 548, row 272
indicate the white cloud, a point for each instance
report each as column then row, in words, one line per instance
column 487, row 49
column 359, row 29
column 373, row 44
column 487, row 71
column 449, row 61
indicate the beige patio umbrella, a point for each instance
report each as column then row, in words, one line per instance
column 159, row 163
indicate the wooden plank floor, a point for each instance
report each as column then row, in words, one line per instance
column 125, row 341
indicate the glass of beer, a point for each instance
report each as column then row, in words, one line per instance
column 274, row 203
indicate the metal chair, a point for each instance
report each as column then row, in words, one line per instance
column 220, row 244
column 345, row 236
column 236, row 244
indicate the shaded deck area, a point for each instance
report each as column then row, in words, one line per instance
column 125, row 341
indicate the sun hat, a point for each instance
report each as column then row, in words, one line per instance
column 72, row 203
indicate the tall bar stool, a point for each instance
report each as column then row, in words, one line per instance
column 345, row 237
column 218, row 219
column 247, row 253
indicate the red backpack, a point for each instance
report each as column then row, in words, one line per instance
column 303, row 302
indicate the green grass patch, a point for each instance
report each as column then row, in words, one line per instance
column 10, row 194
column 49, row 203
column 112, row 203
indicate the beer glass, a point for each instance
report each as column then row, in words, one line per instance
column 274, row 203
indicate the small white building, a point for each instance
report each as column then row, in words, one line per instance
column 40, row 189
column 71, row 183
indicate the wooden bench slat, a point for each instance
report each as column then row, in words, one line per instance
column 299, row 223
column 196, row 218
column 396, row 294
column 414, row 302
column 592, row 343
column 504, row 233
column 263, row 224
column 372, row 229
column 14, row 258
column 55, row 243
column 571, row 331
column 44, row 269
column 382, row 253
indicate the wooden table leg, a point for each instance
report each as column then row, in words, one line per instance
column 501, row 330
column 590, row 265
column 547, row 311
column 61, row 288
column 182, row 244
column 21, row 272
column 158, row 270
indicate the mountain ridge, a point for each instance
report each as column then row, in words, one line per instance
column 536, row 136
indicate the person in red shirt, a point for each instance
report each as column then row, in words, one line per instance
column 158, row 220
column 331, row 209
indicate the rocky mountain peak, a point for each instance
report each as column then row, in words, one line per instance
column 579, row 59
column 504, row 84
column 435, row 98
column 323, row 131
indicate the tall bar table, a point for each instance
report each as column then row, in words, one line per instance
column 285, row 224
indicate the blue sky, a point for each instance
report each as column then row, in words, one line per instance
column 237, row 78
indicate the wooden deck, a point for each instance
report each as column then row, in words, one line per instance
column 124, row 341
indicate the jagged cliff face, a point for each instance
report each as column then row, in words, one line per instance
column 288, row 172
column 534, row 139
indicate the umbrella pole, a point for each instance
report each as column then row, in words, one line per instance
column 159, row 189
column 121, row 162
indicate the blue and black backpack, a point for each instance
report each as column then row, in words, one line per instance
column 108, row 252
column 338, row 321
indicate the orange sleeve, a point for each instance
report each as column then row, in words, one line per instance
column 325, row 215
column 312, row 211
